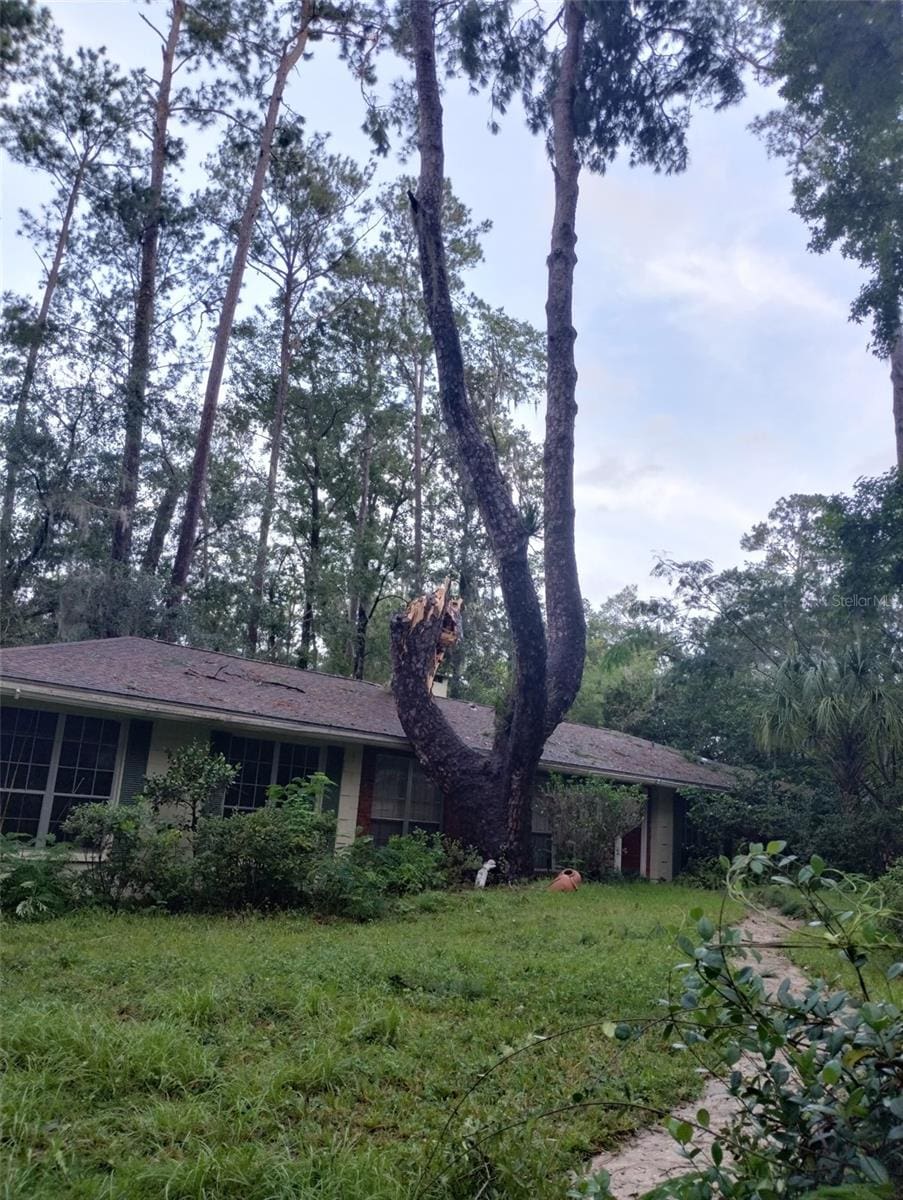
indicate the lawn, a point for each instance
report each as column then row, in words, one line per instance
column 262, row 1058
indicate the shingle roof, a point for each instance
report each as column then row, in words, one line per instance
column 233, row 688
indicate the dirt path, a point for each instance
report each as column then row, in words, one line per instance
column 651, row 1156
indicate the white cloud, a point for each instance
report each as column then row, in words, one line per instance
column 738, row 279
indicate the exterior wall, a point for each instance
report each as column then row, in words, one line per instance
column 349, row 795
column 169, row 736
column 659, row 860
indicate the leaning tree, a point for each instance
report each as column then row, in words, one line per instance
column 596, row 79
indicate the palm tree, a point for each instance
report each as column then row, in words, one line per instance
column 847, row 709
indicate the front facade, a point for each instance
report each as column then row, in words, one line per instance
column 89, row 721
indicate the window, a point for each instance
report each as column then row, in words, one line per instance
column 262, row 763
column 26, row 750
column 48, row 763
column 87, row 762
column 403, row 799
column 542, row 838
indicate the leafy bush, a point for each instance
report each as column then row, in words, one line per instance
column 414, row 863
column 260, row 859
column 820, row 1093
column 891, row 885
column 131, row 858
column 585, row 817
column 347, row 883
column 192, row 786
column 37, row 885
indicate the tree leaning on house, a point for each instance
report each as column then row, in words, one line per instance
column 595, row 78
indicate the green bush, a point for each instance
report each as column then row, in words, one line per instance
column 259, row 859
column 34, row 886
column 192, row 786
column 816, row 1074
column 586, row 816
column 891, row 885
column 131, row 858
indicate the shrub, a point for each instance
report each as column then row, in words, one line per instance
column 131, row 858
column 260, row 859
column 820, row 1093
column 891, row 885
column 348, row 883
column 413, row 863
column 35, row 886
column 192, row 786
column 585, row 817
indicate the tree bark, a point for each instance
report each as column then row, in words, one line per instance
column 565, row 619
column 269, row 500
column 306, row 652
column 504, row 781
column 187, row 536
column 139, row 369
column 896, row 375
column 15, row 448
column 419, row 379
column 153, row 551
column 357, row 613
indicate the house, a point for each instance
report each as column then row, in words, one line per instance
column 89, row 720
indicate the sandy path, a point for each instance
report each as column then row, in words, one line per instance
column 651, row 1156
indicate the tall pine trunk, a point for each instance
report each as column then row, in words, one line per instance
column 896, row 375
column 546, row 674
column 269, row 499
column 307, row 649
column 357, row 610
column 194, row 498
column 153, row 551
column 139, row 369
column 419, row 380
column 15, row 449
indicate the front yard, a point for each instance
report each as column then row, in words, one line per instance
column 274, row 1058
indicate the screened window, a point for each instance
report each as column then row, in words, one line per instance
column 543, row 852
column 261, row 763
column 297, row 762
column 26, row 750
column 403, row 799
column 86, row 766
column 50, row 762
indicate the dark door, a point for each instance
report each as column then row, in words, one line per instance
column 631, row 844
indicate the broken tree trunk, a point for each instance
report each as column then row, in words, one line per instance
column 497, row 796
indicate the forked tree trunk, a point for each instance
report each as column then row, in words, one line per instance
column 896, row 375
column 139, row 369
column 269, row 499
column 14, row 452
column 188, row 532
column 543, row 686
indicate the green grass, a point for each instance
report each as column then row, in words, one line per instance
column 265, row 1058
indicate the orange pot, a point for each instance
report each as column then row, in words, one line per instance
column 566, row 881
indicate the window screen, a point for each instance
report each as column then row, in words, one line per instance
column 403, row 799
column 26, row 749
column 254, row 759
column 87, row 764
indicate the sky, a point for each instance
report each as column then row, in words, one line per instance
column 718, row 370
